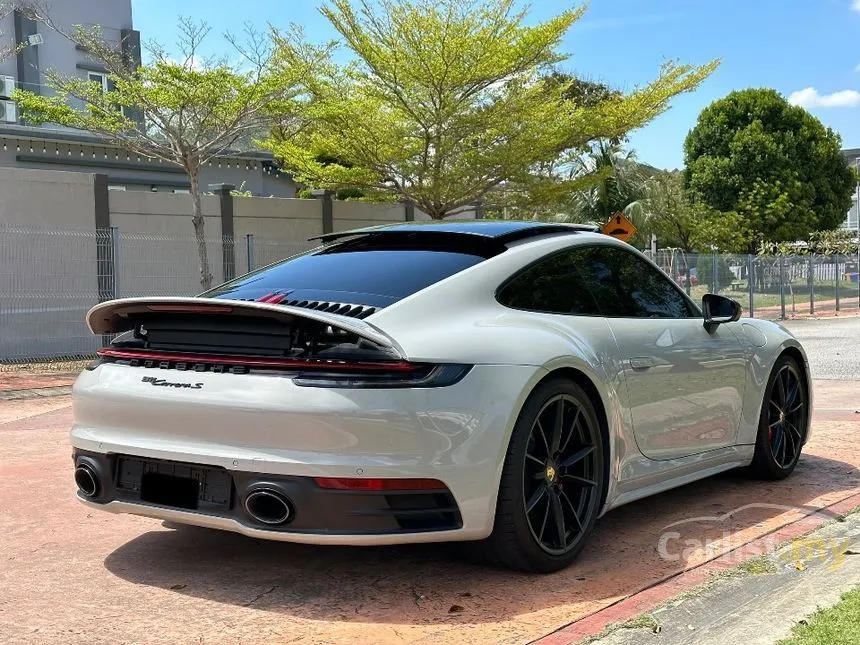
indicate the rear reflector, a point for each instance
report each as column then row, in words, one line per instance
column 348, row 483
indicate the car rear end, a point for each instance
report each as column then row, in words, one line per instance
column 275, row 408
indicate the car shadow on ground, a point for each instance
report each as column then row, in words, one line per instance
column 427, row 583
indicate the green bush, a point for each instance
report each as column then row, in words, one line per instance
column 349, row 193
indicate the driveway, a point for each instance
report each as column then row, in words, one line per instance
column 73, row 576
column 832, row 344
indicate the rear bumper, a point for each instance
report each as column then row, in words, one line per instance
column 235, row 526
column 266, row 428
column 204, row 495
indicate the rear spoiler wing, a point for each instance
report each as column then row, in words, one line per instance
column 116, row 316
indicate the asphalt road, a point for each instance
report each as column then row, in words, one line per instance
column 832, row 344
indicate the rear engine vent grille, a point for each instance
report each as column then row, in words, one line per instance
column 353, row 311
column 340, row 308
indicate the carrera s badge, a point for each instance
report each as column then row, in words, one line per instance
column 160, row 382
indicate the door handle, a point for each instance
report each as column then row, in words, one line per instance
column 641, row 363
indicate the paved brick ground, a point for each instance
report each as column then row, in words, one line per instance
column 71, row 576
column 28, row 379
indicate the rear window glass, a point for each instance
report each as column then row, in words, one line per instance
column 377, row 277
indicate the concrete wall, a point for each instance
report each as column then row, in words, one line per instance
column 349, row 215
column 48, row 277
column 46, row 199
column 161, row 214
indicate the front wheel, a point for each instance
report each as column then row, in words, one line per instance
column 552, row 481
column 782, row 424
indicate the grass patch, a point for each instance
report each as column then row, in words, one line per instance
column 759, row 566
column 839, row 624
column 643, row 621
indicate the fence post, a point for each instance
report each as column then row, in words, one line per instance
column 715, row 284
column 325, row 197
column 836, row 257
column 225, row 202
column 479, row 209
column 115, row 260
column 249, row 240
column 750, row 283
column 782, row 287
column 811, row 282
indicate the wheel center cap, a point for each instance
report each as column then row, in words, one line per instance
column 782, row 416
column 550, row 473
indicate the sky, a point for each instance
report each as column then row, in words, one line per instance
column 806, row 49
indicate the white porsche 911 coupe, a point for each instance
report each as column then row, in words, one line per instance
column 496, row 381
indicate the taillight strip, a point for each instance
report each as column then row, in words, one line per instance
column 124, row 354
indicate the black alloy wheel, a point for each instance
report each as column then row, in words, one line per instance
column 783, row 422
column 552, row 481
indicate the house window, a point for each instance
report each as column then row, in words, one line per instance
column 96, row 77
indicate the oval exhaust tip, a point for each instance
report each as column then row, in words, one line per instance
column 268, row 506
column 87, row 481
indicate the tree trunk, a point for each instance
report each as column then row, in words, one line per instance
column 199, row 233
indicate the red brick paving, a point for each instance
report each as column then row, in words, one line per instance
column 28, row 380
column 70, row 575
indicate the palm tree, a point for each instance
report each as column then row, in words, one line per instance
column 620, row 185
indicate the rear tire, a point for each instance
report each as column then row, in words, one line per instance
column 782, row 423
column 551, row 487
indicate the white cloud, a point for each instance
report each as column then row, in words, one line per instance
column 855, row 5
column 857, row 68
column 809, row 97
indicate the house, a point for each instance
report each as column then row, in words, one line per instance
column 52, row 147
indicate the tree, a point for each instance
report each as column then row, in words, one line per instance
column 183, row 112
column 690, row 227
column 772, row 164
column 580, row 91
column 620, row 185
column 446, row 102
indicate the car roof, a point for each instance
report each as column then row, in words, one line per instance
column 502, row 231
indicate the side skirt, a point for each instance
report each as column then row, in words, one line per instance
column 679, row 472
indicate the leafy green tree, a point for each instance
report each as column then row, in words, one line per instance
column 772, row 164
column 580, row 91
column 690, row 227
column 448, row 102
column 183, row 112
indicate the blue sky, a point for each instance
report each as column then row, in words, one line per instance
column 806, row 49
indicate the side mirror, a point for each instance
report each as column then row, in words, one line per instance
column 719, row 309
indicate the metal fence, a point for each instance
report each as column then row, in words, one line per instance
column 49, row 280
column 773, row 287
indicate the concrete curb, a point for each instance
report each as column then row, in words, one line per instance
column 656, row 594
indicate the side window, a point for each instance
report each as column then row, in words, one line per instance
column 552, row 285
column 626, row 286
